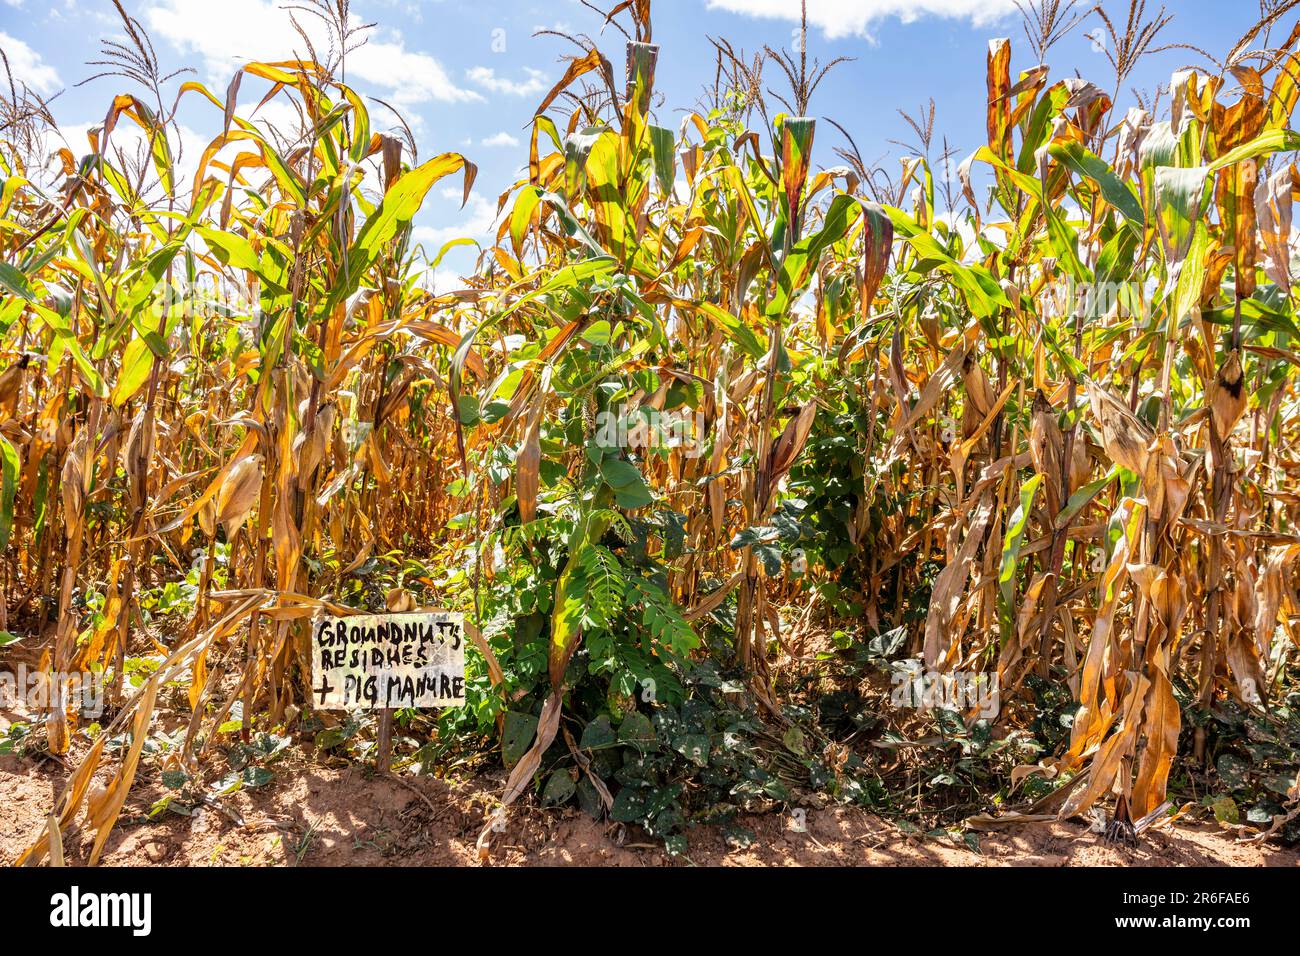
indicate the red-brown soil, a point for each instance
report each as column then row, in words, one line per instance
column 333, row 816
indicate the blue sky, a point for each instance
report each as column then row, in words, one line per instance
column 467, row 75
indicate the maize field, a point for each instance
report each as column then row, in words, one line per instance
column 720, row 451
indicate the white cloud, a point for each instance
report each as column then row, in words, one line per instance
column 476, row 221
column 229, row 34
column 840, row 18
column 83, row 16
column 277, row 113
column 443, row 279
column 500, row 139
column 487, row 78
column 129, row 147
column 413, row 77
column 27, row 66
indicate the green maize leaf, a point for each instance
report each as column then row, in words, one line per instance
column 1013, row 540
column 522, row 215
column 982, row 292
column 799, row 264
column 14, row 281
column 137, row 360
column 361, row 124
column 1116, row 192
column 232, row 250
column 9, row 467
column 733, row 327
column 1272, row 141
column 400, row 204
column 796, row 157
column 1179, row 198
column 1080, row 498
column 65, row 341
column 663, row 148
column 1187, row 289
column 1040, row 125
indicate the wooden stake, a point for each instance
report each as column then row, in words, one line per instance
column 385, row 740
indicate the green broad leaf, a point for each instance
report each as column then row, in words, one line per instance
column 1233, row 771
column 598, row 735
column 559, row 788
column 589, row 799
column 631, row 805
column 517, row 736
column 758, row 534
column 637, row 731
column 468, row 410
column 770, row 555
column 794, row 741
column 230, row 783
column 619, row 473
column 694, row 747
column 327, row 739
column 1226, row 810
column 633, row 497
column 254, row 777
column 739, row 837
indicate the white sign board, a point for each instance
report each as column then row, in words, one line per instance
column 388, row 661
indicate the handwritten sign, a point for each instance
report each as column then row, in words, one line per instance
column 389, row 661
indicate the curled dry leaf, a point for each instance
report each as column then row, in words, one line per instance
column 979, row 392
column 399, row 601
column 239, row 494
column 1046, row 447
column 1228, row 395
column 74, row 481
column 1124, row 437
column 792, row 440
column 528, row 466
column 310, row 446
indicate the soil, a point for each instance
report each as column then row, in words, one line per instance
column 313, row 815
